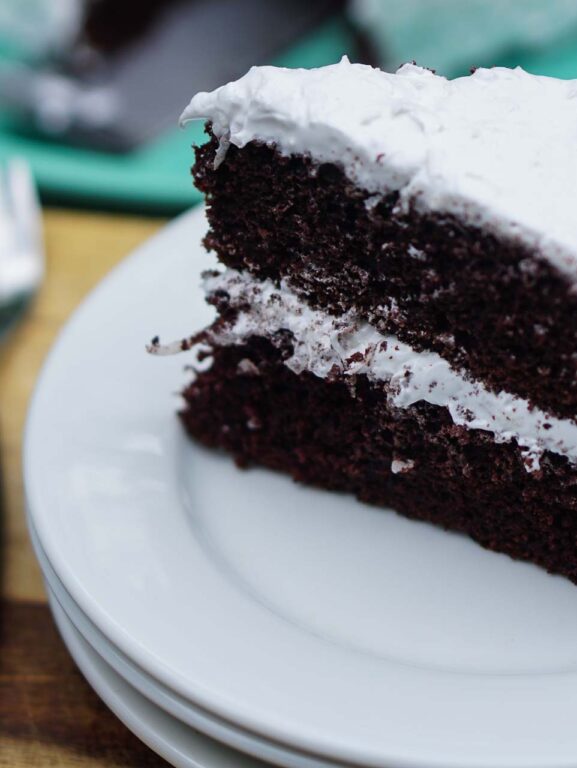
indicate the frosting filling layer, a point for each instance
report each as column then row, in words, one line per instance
column 497, row 149
column 332, row 346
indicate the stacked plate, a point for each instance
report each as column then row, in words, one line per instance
column 230, row 617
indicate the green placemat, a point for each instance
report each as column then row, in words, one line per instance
column 154, row 178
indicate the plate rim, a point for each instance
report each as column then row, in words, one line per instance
column 87, row 658
column 101, row 646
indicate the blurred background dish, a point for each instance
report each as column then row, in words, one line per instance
column 96, row 113
column 451, row 36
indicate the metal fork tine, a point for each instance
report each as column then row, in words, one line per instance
column 4, row 206
column 21, row 250
column 24, row 204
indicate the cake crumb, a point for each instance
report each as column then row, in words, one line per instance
column 246, row 367
column 401, row 466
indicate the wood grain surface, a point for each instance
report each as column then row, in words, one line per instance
column 49, row 716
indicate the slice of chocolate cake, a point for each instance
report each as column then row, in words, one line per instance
column 398, row 313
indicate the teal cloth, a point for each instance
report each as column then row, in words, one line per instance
column 156, row 178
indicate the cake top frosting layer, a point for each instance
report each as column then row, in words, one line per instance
column 497, row 149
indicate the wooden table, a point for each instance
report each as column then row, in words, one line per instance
column 48, row 714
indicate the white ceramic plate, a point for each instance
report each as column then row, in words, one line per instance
column 310, row 619
column 155, row 692
column 181, row 746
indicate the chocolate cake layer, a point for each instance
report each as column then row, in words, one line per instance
column 490, row 306
column 347, row 437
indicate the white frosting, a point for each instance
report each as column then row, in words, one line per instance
column 401, row 466
column 327, row 345
column 498, row 148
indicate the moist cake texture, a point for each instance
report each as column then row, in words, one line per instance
column 397, row 304
column 491, row 305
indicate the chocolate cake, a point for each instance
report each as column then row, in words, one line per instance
column 397, row 310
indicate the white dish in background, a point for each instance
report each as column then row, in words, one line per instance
column 303, row 616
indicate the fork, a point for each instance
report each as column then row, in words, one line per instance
column 21, row 246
